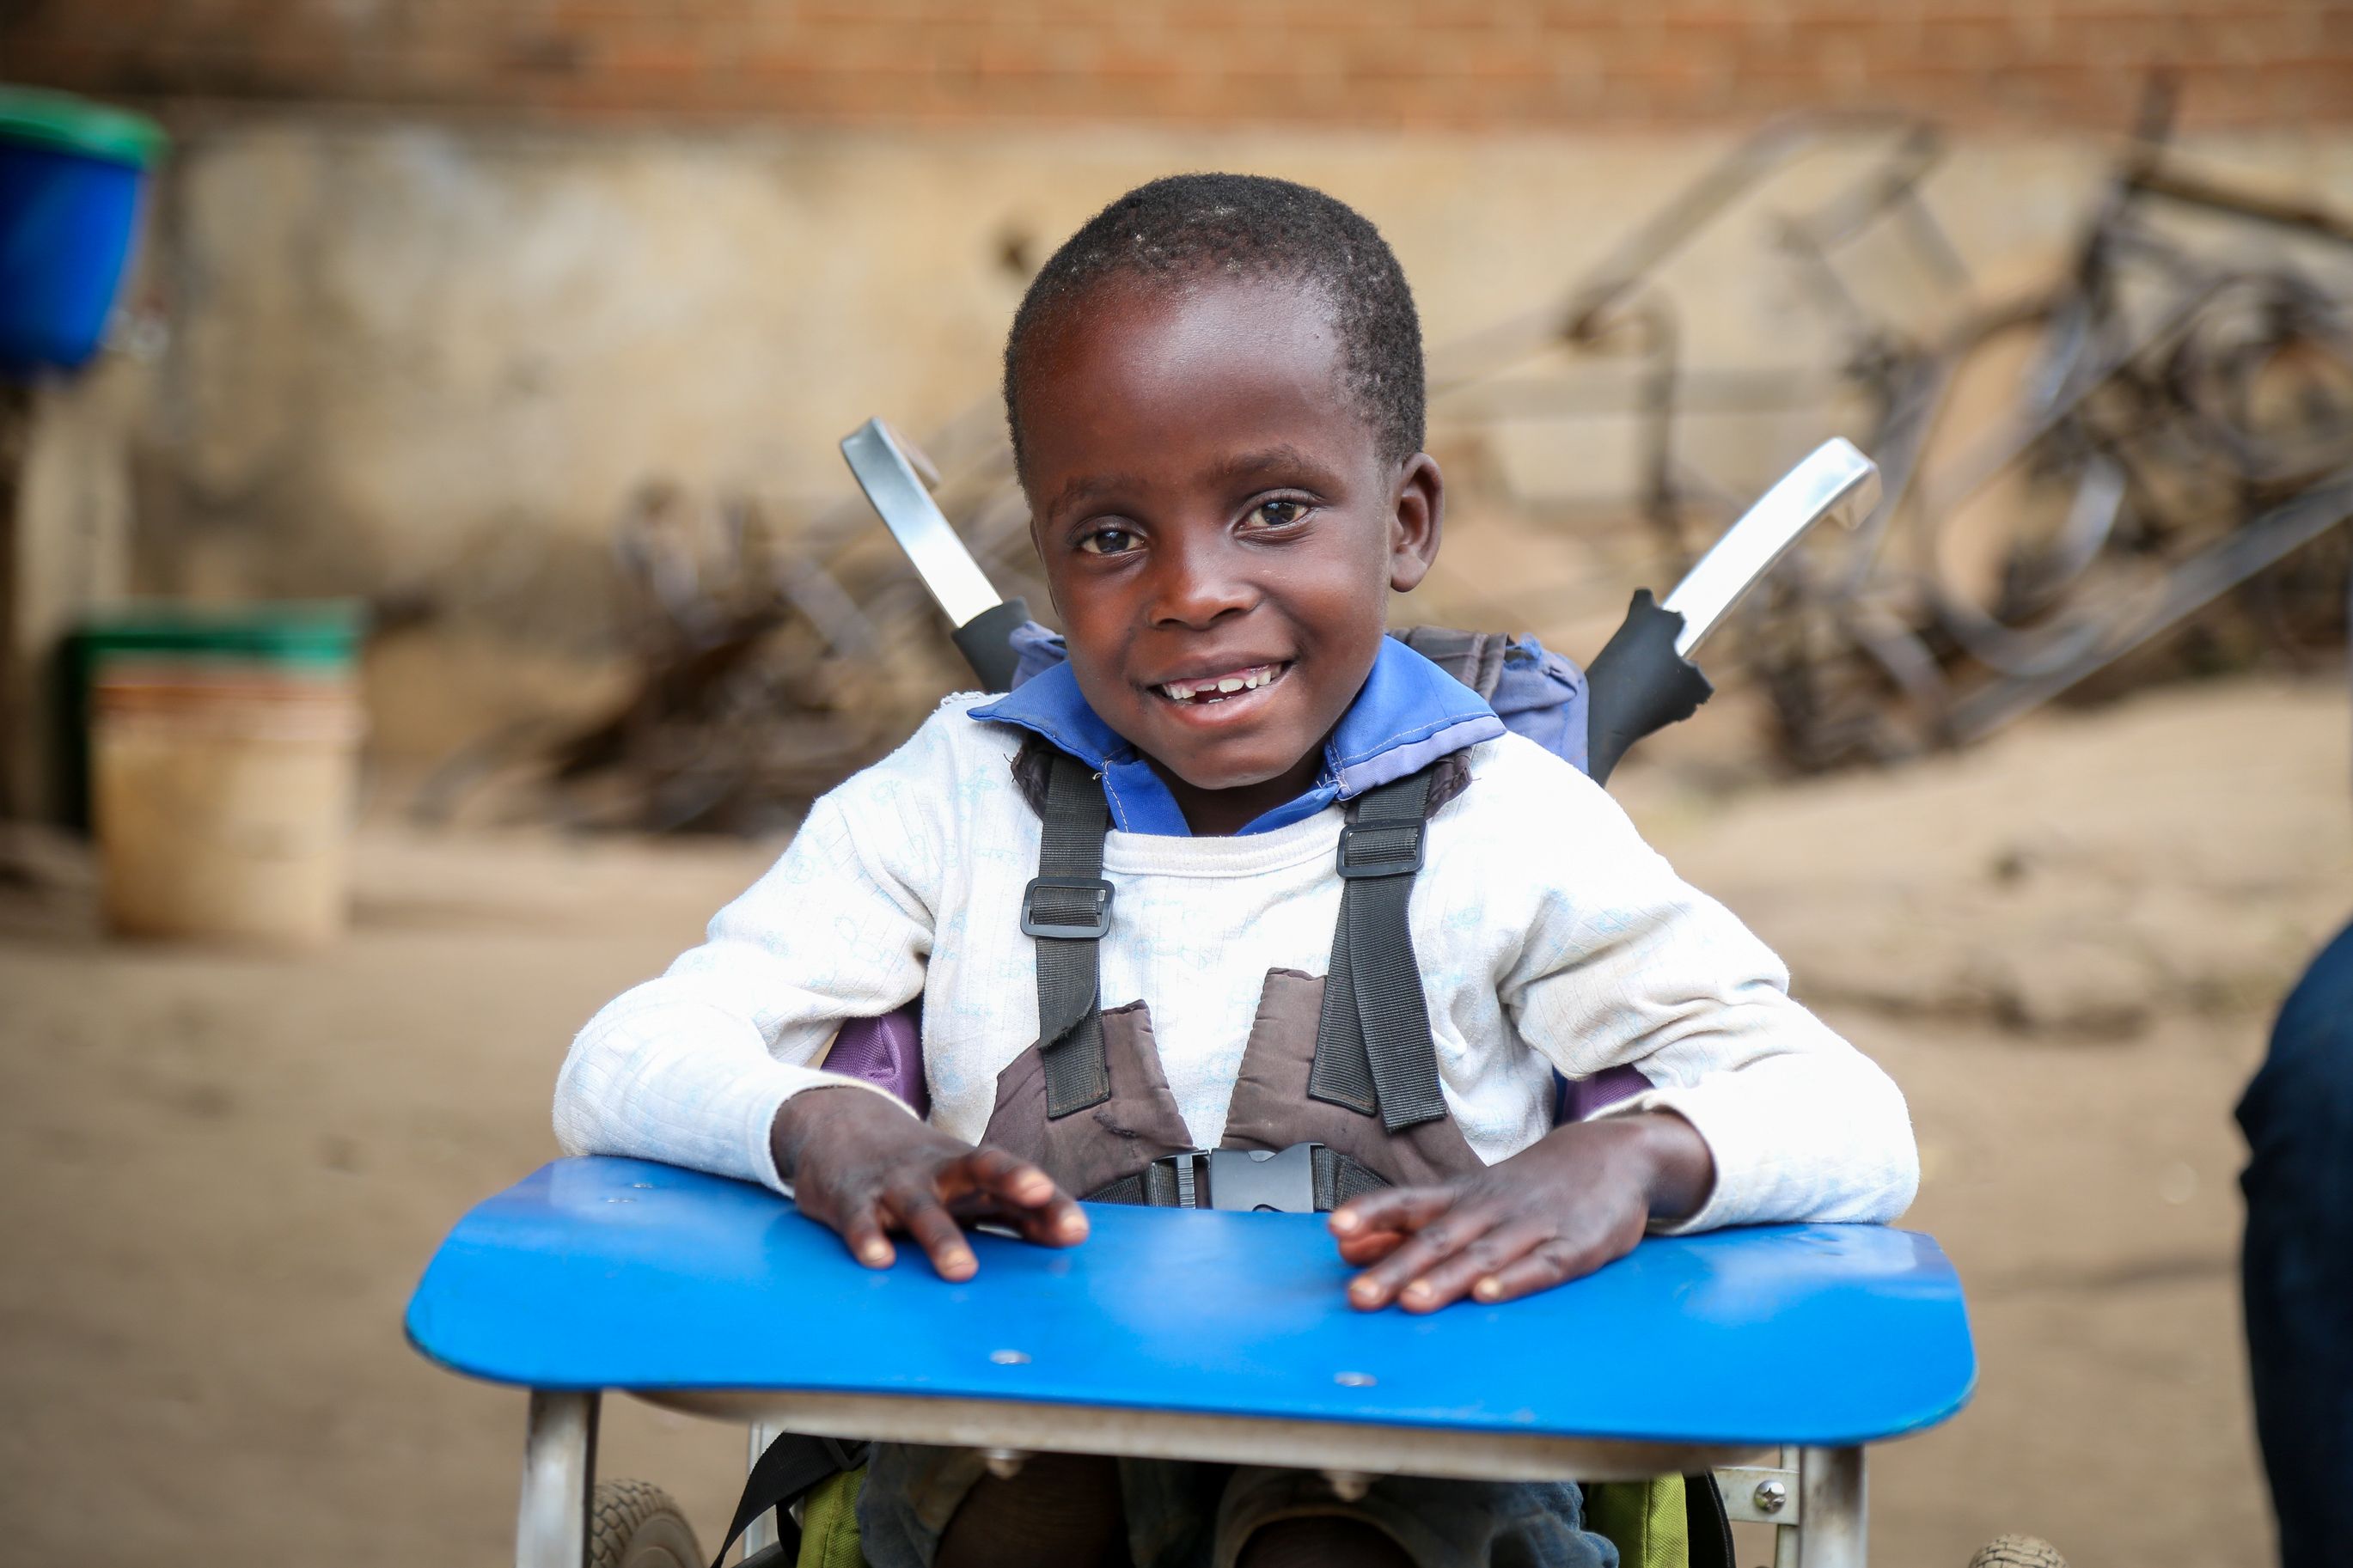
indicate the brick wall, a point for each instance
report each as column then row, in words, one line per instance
column 1357, row 63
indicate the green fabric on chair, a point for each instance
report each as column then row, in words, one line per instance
column 1645, row 1520
column 829, row 1522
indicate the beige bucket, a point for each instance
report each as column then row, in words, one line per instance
column 224, row 801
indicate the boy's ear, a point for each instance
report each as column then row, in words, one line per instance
column 1417, row 519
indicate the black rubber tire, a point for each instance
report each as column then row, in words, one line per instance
column 2018, row 1551
column 634, row 1524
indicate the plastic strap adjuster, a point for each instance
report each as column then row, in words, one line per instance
column 1247, row 1180
column 1055, row 926
column 1240, row 1180
column 1370, row 861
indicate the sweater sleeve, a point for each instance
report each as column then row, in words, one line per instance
column 1625, row 964
column 692, row 1068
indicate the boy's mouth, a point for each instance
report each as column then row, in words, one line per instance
column 1221, row 688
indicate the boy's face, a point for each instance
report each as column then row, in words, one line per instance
column 1219, row 528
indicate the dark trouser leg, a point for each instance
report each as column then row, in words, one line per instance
column 1061, row 1509
column 1287, row 1518
column 2298, row 1263
column 1322, row 1543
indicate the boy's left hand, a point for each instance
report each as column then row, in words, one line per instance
column 1558, row 1209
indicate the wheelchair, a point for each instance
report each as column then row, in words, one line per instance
column 1733, row 1376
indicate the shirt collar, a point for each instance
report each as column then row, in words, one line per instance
column 1407, row 714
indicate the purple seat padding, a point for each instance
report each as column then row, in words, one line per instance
column 888, row 1051
column 1583, row 1097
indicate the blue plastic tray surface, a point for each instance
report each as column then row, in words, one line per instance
column 602, row 1273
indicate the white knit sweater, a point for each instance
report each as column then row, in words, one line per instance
column 1549, row 936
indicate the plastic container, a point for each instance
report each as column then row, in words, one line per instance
column 311, row 639
column 224, row 800
column 73, row 175
column 219, row 760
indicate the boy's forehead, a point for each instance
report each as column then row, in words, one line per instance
column 1188, row 325
column 1140, row 355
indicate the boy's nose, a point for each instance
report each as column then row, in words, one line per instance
column 1196, row 586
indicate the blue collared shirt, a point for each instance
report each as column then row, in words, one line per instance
column 1409, row 714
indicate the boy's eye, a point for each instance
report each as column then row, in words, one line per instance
column 1279, row 514
column 1109, row 541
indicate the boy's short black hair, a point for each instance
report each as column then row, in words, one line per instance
column 1248, row 226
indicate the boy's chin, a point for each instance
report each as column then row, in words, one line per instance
column 1236, row 767
column 1214, row 779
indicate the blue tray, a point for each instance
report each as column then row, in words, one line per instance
column 602, row 1273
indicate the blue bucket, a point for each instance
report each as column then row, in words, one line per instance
column 72, row 177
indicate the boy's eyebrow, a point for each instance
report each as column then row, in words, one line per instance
column 1242, row 465
column 1250, row 465
column 1086, row 487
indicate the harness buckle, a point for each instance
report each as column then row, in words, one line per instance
column 1245, row 1179
column 1056, row 925
column 1378, row 858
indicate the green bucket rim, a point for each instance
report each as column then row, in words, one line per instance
column 301, row 632
column 65, row 123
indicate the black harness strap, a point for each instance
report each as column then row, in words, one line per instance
column 789, row 1469
column 1067, row 908
column 1373, row 1050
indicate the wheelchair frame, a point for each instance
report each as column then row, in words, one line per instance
column 1814, row 1498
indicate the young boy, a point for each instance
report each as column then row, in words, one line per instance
column 1215, row 392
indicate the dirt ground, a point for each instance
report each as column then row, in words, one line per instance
column 229, row 1170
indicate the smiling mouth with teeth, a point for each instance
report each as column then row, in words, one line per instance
column 1219, row 688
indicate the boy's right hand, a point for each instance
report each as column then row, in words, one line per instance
column 866, row 1168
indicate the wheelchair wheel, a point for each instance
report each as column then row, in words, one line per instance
column 2018, row 1551
column 634, row 1524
